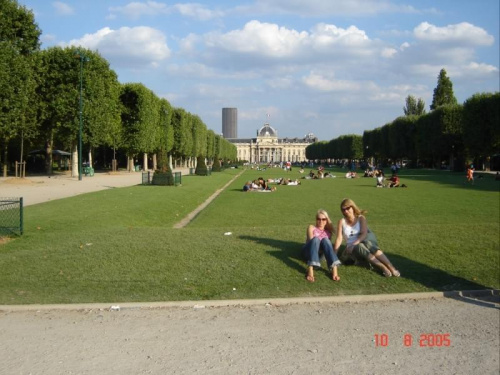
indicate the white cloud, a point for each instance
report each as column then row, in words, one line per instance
column 388, row 52
column 281, row 83
column 137, row 46
column 404, row 46
column 326, row 36
column 197, row 11
column 329, row 7
column 319, row 82
column 473, row 71
column 266, row 45
column 483, row 69
column 462, row 33
column 137, row 10
column 63, row 9
column 260, row 38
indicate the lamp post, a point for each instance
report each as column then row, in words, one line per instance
column 83, row 59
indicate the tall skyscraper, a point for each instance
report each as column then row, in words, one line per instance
column 230, row 122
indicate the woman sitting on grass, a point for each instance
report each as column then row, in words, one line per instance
column 361, row 243
column 317, row 243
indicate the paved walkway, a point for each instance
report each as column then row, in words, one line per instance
column 40, row 189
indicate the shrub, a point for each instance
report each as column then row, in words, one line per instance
column 216, row 166
column 201, row 167
column 164, row 177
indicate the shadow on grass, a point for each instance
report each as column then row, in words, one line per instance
column 433, row 278
column 451, row 285
column 288, row 251
column 483, row 181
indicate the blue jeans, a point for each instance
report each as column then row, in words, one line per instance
column 314, row 248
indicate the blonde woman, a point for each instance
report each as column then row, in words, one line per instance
column 361, row 243
column 318, row 242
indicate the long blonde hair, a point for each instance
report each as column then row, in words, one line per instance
column 350, row 203
column 329, row 225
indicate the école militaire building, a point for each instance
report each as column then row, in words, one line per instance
column 266, row 147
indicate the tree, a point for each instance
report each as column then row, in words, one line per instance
column 102, row 125
column 480, row 124
column 17, row 88
column 19, row 39
column 59, row 95
column 18, row 27
column 166, row 134
column 443, row 93
column 140, row 119
column 414, row 106
column 182, row 133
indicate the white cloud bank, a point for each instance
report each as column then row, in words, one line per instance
column 463, row 33
column 128, row 46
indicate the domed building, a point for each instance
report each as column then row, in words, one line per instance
column 268, row 148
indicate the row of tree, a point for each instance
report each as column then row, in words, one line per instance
column 48, row 96
column 451, row 133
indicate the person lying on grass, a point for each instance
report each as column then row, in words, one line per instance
column 318, row 242
column 361, row 243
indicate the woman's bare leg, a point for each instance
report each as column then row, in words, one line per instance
column 335, row 275
column 377, row 263
column 310, row 274
column 381, row 257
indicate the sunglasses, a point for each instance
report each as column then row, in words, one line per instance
column 346, row 208
column 321, row 218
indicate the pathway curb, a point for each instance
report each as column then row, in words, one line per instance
column 253, row 302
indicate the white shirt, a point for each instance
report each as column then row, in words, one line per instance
column 351, row 233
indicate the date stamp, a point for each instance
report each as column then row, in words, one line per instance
column 428, row 340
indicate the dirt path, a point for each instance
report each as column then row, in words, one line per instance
column 192, row 215
column 461, row 336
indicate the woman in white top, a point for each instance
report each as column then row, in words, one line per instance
column 361, row 243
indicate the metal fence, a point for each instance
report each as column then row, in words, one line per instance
column 11, row 216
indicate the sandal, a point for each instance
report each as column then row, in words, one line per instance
column 387, row 273
column 396, row 273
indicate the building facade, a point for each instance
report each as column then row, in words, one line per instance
column 268, row 148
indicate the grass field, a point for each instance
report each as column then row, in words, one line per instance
column 120, row 245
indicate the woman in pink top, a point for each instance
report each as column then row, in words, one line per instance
column 317, row 243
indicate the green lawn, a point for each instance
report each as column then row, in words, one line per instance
column 119, row 245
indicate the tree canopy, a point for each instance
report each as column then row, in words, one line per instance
column 443, row 93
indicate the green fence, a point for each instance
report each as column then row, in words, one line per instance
column 149, row 178
column 11, row 216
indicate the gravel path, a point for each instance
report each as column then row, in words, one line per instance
column 448, row 336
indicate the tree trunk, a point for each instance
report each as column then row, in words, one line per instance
column 130, row 164
column 91, row 165
column 5, row 155
column 145, row 162
column 48, row 154
column 74, row 161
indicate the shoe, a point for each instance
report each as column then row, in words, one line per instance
column 396, row 273
column 387, row 273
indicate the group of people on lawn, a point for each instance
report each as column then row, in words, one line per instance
column 261, row 185
column 361, row 244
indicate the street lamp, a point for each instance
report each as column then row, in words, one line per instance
column 83, row 59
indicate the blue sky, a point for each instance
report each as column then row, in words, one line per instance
column 330, row 67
